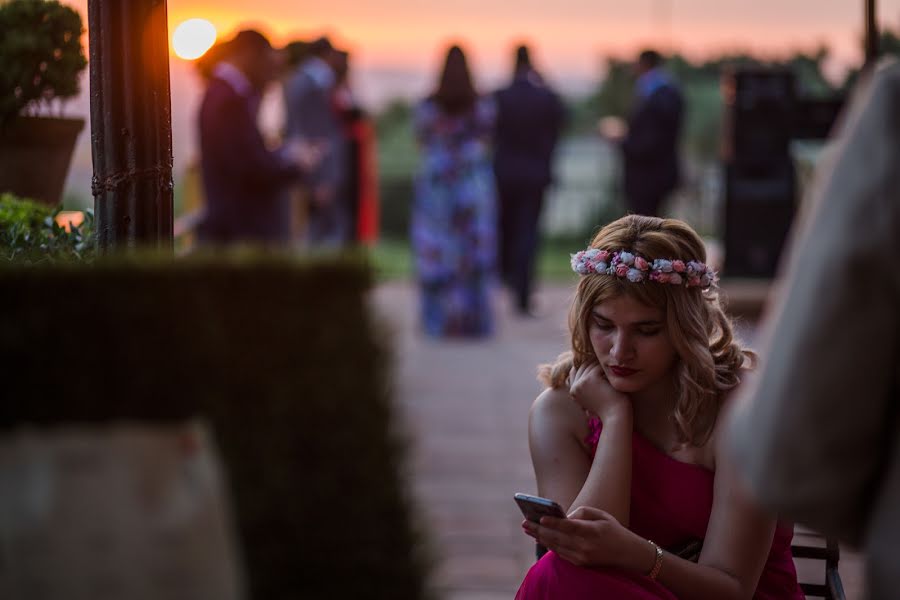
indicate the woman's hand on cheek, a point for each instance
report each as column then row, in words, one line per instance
column 592, row 391
column 588, row 538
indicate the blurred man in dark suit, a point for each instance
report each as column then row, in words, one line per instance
column 650, row 146
column 529, row 118
column 243, row 180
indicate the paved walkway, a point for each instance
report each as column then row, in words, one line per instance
column 465, row 405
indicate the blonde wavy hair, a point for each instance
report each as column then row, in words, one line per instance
column 710, row 359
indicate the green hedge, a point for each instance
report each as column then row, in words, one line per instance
column 29, row 233
column 285, row 361
column 397, row 196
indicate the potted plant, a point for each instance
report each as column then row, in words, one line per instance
column 41, row 60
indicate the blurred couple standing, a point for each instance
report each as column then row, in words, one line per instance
column 463, row 205
column 249, row 185
column 467, row 221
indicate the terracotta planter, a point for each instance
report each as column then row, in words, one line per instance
column 35, row 153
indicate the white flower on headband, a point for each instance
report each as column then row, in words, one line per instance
column 635, row 275
column 662, row 265
column 637, row 269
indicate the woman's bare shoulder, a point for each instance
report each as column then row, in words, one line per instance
column 557, row 405
column 715, row 446
column 708, row 453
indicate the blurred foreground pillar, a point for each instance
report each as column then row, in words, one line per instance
column 131, row 123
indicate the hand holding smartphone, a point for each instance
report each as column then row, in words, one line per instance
column 535, row 507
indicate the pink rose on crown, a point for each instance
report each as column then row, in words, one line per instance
column 662, row 277
column 603, row 255
column 675, row 279
column 621, row 269
column 641, row 263
column 678, row 266
column 694, row 281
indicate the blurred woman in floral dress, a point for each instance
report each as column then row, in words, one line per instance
column 454, row 213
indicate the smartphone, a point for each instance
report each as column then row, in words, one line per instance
column 535, row 507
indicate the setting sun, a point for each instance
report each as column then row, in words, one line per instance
column 192, row 38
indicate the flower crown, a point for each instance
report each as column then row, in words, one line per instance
column 627, row 265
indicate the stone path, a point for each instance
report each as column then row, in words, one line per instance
column 465, row 406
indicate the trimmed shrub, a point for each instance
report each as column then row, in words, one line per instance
column 281, row 357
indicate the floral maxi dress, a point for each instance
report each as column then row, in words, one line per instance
column 454, row 219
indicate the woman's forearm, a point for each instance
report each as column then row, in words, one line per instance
column 692, row 581
column 686, row 579
column 608, row 484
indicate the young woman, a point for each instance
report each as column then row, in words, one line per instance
column 626, row 437
column 453, row 217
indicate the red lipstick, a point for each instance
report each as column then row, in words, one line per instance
column 622, row 371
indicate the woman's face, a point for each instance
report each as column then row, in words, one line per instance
column 632, row 343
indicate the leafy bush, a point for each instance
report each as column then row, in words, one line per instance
column 29, row 233
column 41, row 55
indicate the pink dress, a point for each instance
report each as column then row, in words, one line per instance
column 670, row 504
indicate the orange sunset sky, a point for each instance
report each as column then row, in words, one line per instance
column 397, row 45
column 570, row 36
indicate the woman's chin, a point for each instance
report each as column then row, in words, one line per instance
column 625, row 385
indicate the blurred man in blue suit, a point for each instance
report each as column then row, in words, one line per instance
column 650, row 147
column 530, row 116
column 312, row 116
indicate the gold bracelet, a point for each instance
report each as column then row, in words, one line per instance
column 654, row 572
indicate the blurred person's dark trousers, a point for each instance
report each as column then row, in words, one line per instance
column 520, row 210
column 644, row 203
column 330, row 226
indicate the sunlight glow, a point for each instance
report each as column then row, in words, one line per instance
column 192, row 38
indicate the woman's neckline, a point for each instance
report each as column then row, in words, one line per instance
column 645, row 440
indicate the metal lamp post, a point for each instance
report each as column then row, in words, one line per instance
column 131, row 123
